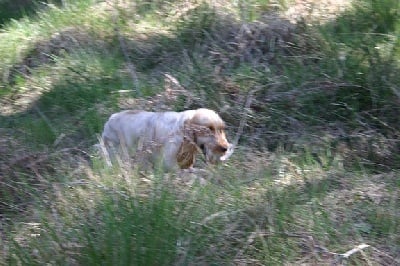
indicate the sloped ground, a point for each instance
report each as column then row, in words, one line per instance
column 314, row 177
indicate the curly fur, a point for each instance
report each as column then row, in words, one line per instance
column 173, row 137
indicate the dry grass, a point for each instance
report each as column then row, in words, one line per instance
column 314, row 177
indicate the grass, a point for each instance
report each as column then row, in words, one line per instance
column 315, row 173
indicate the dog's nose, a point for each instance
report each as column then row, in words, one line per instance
column 223, row 148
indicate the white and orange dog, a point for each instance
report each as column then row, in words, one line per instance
column 172, row 137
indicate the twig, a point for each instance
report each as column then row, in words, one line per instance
column 354, row 250
column 169, row 92
column 124, row 49
column 131, row 66
column 217, row 215
column 346, row 255
column 316, row 248
column 46, row 120
column 243, row 121
column 173, row 80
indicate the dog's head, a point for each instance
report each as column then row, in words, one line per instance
column 208, row 132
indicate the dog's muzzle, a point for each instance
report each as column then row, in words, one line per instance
column 228, row 153
column 223, row 153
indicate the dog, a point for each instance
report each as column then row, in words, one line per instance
column 174, row 138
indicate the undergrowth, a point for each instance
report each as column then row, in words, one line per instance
column 315, row 173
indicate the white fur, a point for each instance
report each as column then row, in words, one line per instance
column 166, row 134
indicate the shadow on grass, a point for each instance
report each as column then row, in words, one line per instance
column 71, row 106
column 16, row 9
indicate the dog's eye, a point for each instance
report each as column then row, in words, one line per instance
column 211, row 128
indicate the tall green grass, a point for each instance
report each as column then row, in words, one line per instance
column 316, row 191
column 118, row 217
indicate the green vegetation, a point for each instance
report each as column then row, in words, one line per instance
column 316, row 171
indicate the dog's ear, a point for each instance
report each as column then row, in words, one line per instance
column 189, row 132
column 186, row 154
column 188, row 149
column 193, row 130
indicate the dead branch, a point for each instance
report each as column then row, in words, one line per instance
column 243, row 121
column 124, row 49
column 346, row 255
